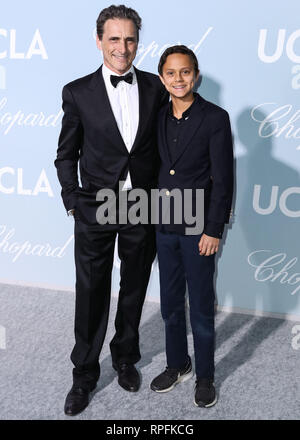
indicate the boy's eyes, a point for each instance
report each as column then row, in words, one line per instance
column 185, row 72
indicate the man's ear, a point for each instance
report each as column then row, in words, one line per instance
column 98, row 42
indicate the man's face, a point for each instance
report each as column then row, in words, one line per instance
column 118, row 44
column 178, row 75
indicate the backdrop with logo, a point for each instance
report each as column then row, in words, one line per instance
column 249, row 56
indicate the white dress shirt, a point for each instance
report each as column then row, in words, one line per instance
column 124, row 101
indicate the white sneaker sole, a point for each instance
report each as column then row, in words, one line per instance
column 179, row 380
column 209, row 404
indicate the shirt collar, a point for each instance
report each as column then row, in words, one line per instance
column 106, row 72
column 187, row 112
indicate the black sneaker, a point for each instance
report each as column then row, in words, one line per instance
column 205, row 393
column 167, row 380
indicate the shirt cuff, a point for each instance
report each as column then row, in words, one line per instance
column 214, row 229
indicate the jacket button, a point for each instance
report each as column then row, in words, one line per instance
column 167, row 193
column 172, row 172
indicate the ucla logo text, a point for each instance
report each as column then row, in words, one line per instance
column 16, row 52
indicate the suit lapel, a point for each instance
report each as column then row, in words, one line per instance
column 162, row 135
column 104, row 112
column 145, row 105
column 197, row 116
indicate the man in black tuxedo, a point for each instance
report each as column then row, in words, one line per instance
column 109, row 128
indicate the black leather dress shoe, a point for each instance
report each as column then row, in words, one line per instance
column 129, row 378
column 77, row 400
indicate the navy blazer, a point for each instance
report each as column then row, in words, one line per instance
column 204, row 160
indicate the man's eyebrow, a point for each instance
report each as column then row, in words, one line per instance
column 118, row 38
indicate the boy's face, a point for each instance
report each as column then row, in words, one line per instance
column 178, row 75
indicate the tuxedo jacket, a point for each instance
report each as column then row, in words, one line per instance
column 204, row 160
column 90, row 136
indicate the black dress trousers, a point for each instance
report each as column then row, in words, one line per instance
column 94, row 252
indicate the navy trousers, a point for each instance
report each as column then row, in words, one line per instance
column 181, row 264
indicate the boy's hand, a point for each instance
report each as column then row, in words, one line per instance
column 208, row 245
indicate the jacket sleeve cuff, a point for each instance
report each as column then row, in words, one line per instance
column 214, row 229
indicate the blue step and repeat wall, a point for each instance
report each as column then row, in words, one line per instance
column 249, row 55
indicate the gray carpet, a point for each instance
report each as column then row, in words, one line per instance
column 257, row 369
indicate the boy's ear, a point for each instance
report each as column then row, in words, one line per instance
column 162, row 80
column 197, row 76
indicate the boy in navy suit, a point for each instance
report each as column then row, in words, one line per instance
column 195, row 147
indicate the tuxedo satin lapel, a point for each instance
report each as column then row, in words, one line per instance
column 101, row 105
column 145, row 105
column 197, row 116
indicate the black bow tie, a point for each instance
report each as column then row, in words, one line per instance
column 116, row 79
